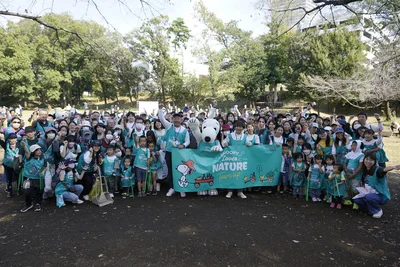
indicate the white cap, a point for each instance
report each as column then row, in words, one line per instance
column 86, row 123
column 314, row 124
column 328, row 128
column 33, row 148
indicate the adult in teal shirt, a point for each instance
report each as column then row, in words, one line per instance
column 176, row 136
column 375, row 177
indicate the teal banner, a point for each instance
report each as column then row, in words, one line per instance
column 233, row 168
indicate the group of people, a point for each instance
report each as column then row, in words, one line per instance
column 62, row 154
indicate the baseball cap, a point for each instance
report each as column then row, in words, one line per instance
column 30, row 129
column 35, row 147
column 314, row 124
column 339, row 130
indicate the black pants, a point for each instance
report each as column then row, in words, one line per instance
column 87, row 182
column 11, row 176
column 168, row 160
column 337, row 200
column 34, row 193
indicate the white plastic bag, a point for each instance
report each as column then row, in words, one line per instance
column 162, row 173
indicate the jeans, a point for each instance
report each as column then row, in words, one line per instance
column 315, row 193
column 298, row 190
column 11, row 176
column 370, row 203
column 73, row 194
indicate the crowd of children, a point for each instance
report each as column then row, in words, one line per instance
column 62, row 155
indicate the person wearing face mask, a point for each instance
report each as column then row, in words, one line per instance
column 226, row 130
column 70, row 149
column 50, row 147
column 66, row 189
column 13, row 127
column 107, row 140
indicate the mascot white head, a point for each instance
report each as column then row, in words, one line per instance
column 209, row 130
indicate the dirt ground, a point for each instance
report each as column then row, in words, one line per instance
column 273, row 230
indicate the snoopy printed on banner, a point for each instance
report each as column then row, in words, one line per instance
column 186, row 168
column 207, row 139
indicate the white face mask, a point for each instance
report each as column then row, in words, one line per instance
column 139, row 126
column 118, row 154
column 63, row 134
column 307, row 152
column 109, row 136
column 51, row 136
column 226, row 132
column 85, row 128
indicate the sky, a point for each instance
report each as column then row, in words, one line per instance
column 125, row 15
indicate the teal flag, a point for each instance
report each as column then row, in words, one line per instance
column 234, row 168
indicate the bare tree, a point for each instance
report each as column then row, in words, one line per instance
column 366, row 88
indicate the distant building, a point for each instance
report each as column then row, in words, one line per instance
column 290, row 15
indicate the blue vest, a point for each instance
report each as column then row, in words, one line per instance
column 233, row 142
column 9, row 155
column 108, row 166
column 206, row 147
column 380, row 184
column 33, row 167
column 141, row 158
column 173, row 138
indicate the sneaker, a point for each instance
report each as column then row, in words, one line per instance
column 26, row 208
column 269, row 191
column 318, row 199
column 116, row 191
column 281, row 192
column 339, row 206
column 158, row 187
column 143, row 194
column 140, row 194
column 171, row 191
column 378, row 214
column 355, row 206
column 154, row 193
column 332, row 205
column 9, row 194
column 112, row 195
column 78, row 201
column 229, row 195
column 86, row 197
column 37, row 207
column 314, row 199
column 347, row 202
column 123, row 195
column 183, row 194
column 241, row 195
column 148, row 193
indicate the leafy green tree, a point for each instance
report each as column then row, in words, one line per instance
column 151, row 43
column 331, row 54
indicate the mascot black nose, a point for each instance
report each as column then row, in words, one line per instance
column 207, row 139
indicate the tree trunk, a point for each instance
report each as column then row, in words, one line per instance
column 163, row 93
column 388, row 111
column 273, row 87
